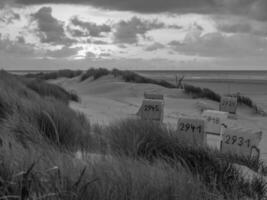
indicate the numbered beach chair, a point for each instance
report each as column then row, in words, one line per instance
column 215, row 123
column 152, row 107
column 241, row 142
column 192, row 130
column 228, row 104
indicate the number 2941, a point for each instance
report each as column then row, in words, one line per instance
column 189, row 127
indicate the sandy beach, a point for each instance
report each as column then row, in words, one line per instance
column 109, row 99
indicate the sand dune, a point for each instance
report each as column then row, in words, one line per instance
column 108, row 99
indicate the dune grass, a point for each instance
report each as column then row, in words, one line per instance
column 44, row 109
column 130, row 76
column 95, row 73
column 119, row 179
column 249, row 102
column 45, row 89
column 198, row 92
column 65, row 73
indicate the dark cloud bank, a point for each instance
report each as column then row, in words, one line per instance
column 89, row 28
column 128, row 31
column 49, row 29
column 256, row 9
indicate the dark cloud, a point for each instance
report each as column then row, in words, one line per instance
column 254, row 8
column 89, row 28
column 175, row 43
column 220, row 46
column 154, row 47
column 64, row 52
column 105, row 55
column 50, row 30
column 128, row 31
column 241, row 25
column 122, row 46
column 21, row 39
column 16, row 48
column 5, row 3
column 99, row 42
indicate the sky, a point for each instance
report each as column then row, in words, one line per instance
column 133, row 34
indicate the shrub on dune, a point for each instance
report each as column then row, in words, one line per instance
column 130, row 76
column 51, row 122
column 95, row 73
column 50, row 90
column 198, row 92
column 63, row 126
column 58, row 123
column 48, row 113
column 20, row 85
column 249, row 102
column 4, row 106
column 65, row 73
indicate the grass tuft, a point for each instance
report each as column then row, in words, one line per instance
column 198, row 92
column 65, row 73
column 95, row 73
column 249, row 102
column 50, row 90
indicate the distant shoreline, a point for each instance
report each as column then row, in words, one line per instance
column 189, row 70
column 211, row 76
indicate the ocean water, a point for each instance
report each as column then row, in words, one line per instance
column 189, row 74
column 209, row 74
column 251, row 83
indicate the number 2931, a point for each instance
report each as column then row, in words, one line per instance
column 235, row 140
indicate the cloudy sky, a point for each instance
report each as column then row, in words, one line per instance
column 133, row 34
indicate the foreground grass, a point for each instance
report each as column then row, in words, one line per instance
column 150, row 141
column 130, row 159
column 118, row 179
